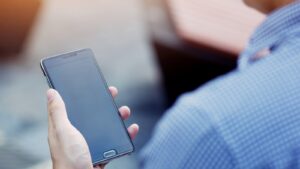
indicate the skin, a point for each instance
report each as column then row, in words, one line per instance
column 68, row 148
column 267, row 6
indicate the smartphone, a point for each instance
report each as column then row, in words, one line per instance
column 89, row 103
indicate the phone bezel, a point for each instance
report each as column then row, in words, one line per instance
column 51, row 85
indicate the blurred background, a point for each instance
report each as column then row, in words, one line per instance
column 152, row 50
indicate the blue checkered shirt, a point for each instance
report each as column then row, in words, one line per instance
column 247, row 119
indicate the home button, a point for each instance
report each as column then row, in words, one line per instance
column 110, row 153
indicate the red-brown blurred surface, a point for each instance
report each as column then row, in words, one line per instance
column 16, row 18
column 217, row 24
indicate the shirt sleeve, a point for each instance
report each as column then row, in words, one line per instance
column 186, row 138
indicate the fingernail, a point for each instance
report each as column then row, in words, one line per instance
column 134, row 127
column 137, row 126
column 130, row 130
column 50, row 94
column 126, row 107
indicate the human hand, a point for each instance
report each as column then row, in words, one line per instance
column 68, row 147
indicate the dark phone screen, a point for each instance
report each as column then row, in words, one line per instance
column 88, row 102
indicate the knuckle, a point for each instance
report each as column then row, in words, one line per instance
column 60, row 132
column 54, row 106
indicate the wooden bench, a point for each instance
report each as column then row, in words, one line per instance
column 219, row 25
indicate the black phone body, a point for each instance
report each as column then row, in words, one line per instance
column 90, row 106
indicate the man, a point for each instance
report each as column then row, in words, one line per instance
column 249, row 118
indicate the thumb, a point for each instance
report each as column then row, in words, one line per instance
column 56, row 109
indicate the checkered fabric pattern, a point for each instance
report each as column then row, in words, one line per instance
column 249, row 118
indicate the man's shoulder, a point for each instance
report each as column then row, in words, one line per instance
column 255, row 109
column 262, row 80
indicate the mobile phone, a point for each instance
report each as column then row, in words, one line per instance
column 90, row 106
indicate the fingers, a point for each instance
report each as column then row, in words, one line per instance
column 58, row 115
column 124, row 112
column 56, row 109
column 133, row 130
column 114, row 91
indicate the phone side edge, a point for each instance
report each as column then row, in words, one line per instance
column 45, row 72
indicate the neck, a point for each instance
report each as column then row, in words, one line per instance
column 276, row 5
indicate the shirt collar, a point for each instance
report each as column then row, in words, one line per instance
column 272, row 31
